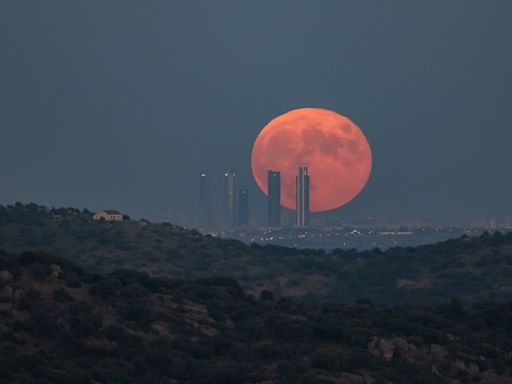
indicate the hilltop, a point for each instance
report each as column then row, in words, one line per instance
column 468, row 268
column 60, row 323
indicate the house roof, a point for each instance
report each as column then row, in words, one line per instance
column 112, row 212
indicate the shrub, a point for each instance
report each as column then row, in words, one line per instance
column 60, row 295
column 29, row 300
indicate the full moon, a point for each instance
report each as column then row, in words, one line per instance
column 334, row 149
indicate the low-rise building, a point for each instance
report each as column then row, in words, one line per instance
column 108, row 215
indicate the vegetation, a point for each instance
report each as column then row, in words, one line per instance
column 61, row 324
column 469, row 269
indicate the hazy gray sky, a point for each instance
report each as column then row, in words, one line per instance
column 120, row 104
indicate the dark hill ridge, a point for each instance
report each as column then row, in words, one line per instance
column 469, row 269
column 61, row 324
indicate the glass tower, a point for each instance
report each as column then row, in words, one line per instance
column 243, row 208
column 229, row 198
column 274, row 198
column 302, row 197
column 205, row 214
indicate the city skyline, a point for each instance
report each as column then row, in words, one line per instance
column 230, row 211
column 235, row 203
column 216, row 211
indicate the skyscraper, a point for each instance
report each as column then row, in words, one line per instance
column 229, row 198
column 243, row 208
column 274, row 198
column 302, row 197
column 205, row 214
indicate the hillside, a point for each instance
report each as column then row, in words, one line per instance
column 61, row 324
column 468, row 269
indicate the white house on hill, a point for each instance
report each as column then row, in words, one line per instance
column 108, row 215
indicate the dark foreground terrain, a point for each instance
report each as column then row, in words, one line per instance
column 470, row 269
column 62, row 324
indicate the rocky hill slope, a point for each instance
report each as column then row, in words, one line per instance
column 61, row 324
column 468, row 269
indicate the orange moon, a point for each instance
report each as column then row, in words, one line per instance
column 334, row 149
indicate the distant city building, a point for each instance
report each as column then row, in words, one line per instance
column 302, row 197
column 108, row 215
column 205, row 211
column 243, row 208
column 494, row 224
column 274, row 198
column 229, row 198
